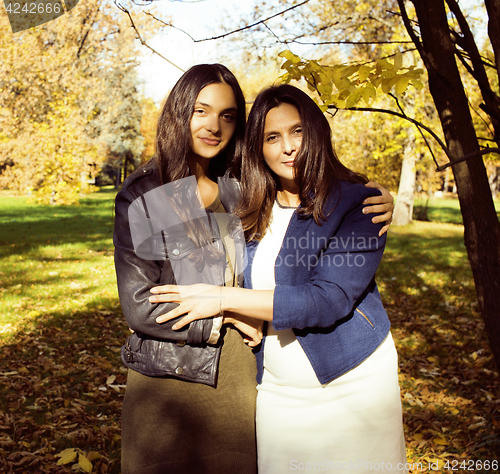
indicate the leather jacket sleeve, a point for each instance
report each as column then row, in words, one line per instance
column 136, row 276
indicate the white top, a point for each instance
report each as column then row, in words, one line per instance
column 353, row 422
column 284, row 358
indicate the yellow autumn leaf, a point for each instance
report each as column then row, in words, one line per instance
column 84, row 463
column 383, row 63
column 398, row 60
column 67, row 456
column 352, row 100
column 440, row 441
column 287, row 54
column 417, row 84
column 93, row 455
column 370, row 92
column 402, row 85
column 364, row 73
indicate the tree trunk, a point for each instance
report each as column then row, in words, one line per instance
column 403, row 212
column 482, row 228
column 493, row 8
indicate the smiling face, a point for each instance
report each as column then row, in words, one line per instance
column 213, row 122
column 282, row 139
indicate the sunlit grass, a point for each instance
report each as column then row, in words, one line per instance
column 55, row 259
column 58, row 296
column 445, row 210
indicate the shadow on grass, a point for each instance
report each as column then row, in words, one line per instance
column 448, row 372
column 27, row 227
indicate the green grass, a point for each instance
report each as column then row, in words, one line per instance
column 61, row 329
column 445, row 210
column 56, row 260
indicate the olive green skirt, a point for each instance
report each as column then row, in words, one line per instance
column 173, row 426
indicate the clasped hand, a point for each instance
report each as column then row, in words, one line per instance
column 201, row 301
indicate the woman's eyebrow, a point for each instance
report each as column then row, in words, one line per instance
column 229, row 109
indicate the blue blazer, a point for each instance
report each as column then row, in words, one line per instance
column 325, row 287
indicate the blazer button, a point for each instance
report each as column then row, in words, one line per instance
column 179, row 371
column 176, row 252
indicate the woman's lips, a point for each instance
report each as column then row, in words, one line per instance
column 210, row 141
column 289, row 163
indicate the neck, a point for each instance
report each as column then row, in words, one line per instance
column 199, row 168
column 207, row 187
column 288, row 199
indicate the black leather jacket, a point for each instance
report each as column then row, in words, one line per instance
column 156, row 349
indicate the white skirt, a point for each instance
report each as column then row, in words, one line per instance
column 353, row 423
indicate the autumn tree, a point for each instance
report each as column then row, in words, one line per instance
column 69, row 96
column 442, row 35
column 149, row 118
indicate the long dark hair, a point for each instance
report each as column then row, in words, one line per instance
column 317, row 168
column 173, row 135
column 173, row 145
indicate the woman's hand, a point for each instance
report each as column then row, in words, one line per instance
column 198, row 301
column 250, row 327
column 383, row 203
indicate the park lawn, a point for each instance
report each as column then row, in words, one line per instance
column 62, row 381
column 56, row 260
column 446, row 210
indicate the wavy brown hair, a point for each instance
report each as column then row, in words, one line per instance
column 173, row 145
column 173, row 134
column 318, row 171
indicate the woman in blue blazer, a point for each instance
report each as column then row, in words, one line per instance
column 328, row 394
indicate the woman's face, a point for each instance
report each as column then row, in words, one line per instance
column 282, row 139
column 213, row 121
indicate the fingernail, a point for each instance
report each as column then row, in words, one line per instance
column 174, row 327
column 365, row 210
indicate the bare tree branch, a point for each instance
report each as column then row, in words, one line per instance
column 253, row 24
column 452, row 159
column 132, row 24
column 418, row 128
column 468, row 157
column 403, row 116
column 409, row 28
column 170, row 25
column 319, row 43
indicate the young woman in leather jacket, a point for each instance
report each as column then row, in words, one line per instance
column 189, row 405
column 328, row 391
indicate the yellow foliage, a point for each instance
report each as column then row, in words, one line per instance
column 340, row 82
column 66, row 80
